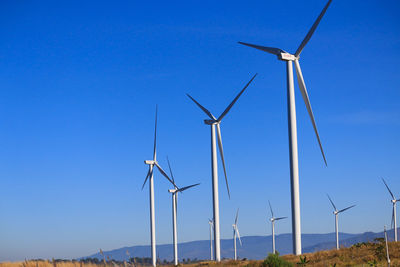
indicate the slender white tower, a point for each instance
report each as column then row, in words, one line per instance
column 215, row 126
column 293, row 155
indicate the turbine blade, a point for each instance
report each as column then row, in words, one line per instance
column 164, row 174
column 304, row 93
column 202, row 108
column 280, row 218
column 271, row 50
column 388, row 189
column 187, row 187
column 332, row 202
column 311, row 31
column 236, row 98
column 236, row 218
column 237, row 232
column 149, row 173
column 170, row 170
column 155, row 136
column 270, row 207
column 346, row 208
column 221, row 151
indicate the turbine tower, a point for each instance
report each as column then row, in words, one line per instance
column 215, row 123
column 210, row 222
column 174, row 193
column 336, row 212
column 394, row 216
column 273, row 219
column 236, row 234
column 294, row 170
column 149, row 177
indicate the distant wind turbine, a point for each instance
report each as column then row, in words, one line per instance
column 336, row 212
column 174, row 193
column 215, row 123
column 394, row 216
column 210, row 222
column 149, row 176
column 294, row 170
column 236, row 234
column 273, row 219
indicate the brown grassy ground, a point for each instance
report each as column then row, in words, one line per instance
column 363, row 255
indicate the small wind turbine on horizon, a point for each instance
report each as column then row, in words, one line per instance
column 210, row 222
column 149, row 177
column 294, row 169
column 394, row 216
column 174, row 193
column 336, row 212
column 273, row 219
column 215, row 123
column 236, row 234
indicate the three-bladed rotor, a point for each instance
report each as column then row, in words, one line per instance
column 217, row 121
column 235, row 227
column 285, row 56
column 336, row 211
column 273, row 219
column 154, row 162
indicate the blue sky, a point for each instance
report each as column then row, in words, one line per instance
column 79, row 84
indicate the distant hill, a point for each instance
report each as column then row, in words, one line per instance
column 254, row 247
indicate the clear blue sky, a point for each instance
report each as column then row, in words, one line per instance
column 79, row 83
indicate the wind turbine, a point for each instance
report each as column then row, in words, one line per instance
column 149, row 177
column 394, row 217
column 215, row 123
column 174, row 193
column 294, row 170
column 336, row 212
column 210, row 222
column 236, row 234
column 273, row 219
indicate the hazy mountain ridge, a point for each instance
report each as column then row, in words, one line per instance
column 254, row 247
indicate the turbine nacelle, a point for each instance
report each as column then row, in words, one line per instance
column 212, row 122
column 287, row 56
column 150, row 162
column 173, row 190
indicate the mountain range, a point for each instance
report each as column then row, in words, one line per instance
column 254, row 247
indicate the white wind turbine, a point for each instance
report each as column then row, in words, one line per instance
column 336, row 212
column 394, row 216
column 294, row 170
column 215, row 123
column 210, row 222
column 149, row 176
column 174, row 193
column 273, row 220
column 236, row 234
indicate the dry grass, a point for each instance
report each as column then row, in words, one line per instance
column 355, row 256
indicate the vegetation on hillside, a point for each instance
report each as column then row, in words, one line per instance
column 360, row 254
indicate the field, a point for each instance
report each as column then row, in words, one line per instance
column 362, row 254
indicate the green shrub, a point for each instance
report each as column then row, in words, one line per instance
column 273, row 260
